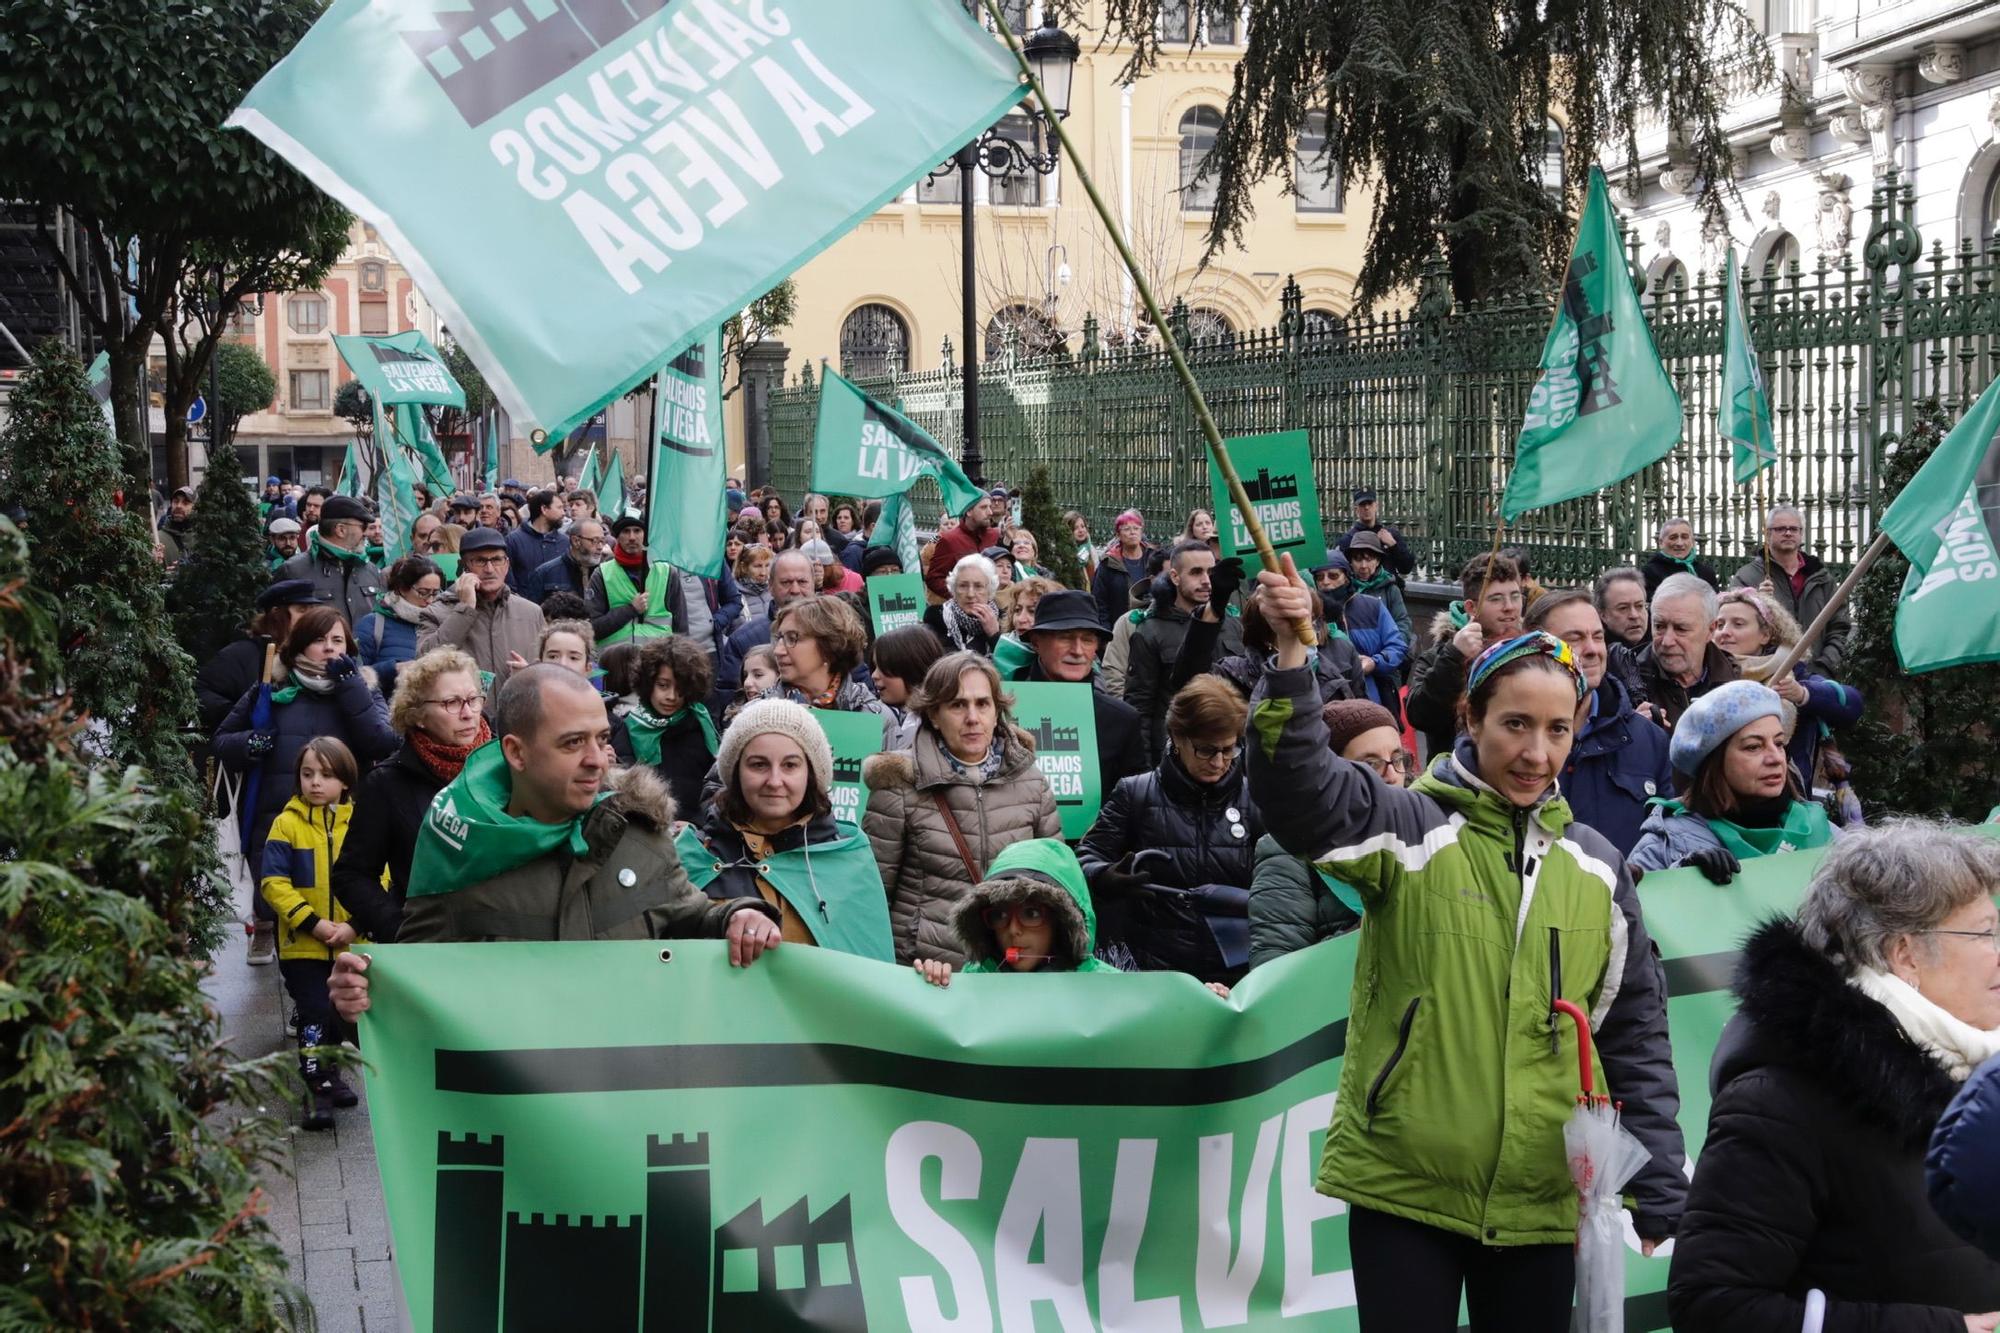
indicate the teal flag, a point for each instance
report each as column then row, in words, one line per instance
column 351, row 468
column 853, row 736
column 400, row 368
column 1947, row 521
column 582, row 187
column 687, row 510
column 896, row 528
column 896, row 600
column 100, row 389
column 1277, row 475
column 492, row 473
column 866, row 448
column 823, row 1141
column 1744, row 419
column 586, row 476
column 395, row 496
column 1063, row 720
column 1604, row 406
column 611, row 486
column 413, row 432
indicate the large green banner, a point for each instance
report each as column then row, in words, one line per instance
column 820, row 1140
column 687, row 510
column 582, row 186
column 853, row 736
column 1063, row 721
column 1277, row 473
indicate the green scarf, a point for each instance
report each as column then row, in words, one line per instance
column 835, row 887
column 468, row 836
column 1806, row 826
column 1457, row 613
column 286, row 693
column 327, row 549
column 645, row 728
column 1687, row 564
column 1381, row 578
column 1011, row 655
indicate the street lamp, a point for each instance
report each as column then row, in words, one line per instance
column 1052, row 53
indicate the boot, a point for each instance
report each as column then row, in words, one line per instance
column 318, row 1108
column 337, row 1089
column 263, row 944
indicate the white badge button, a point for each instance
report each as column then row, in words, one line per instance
column 628, row 877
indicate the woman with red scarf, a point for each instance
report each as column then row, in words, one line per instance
column 440, row 711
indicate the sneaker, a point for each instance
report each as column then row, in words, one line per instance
column 263, row 945
column 342, row 1095
column 319, row 1108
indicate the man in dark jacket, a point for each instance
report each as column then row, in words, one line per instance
column 628, row 883
column 335, row 560
column 625, row 603
column 1676, row 556
column 1490, row 612
column 1682, row 664
column 537, row 541
column 1619, row 761
column 973, row 534
column 570, row 571
column 1803, row 585
column 1066, row 638
column 177, row 524
column 239, row 667
column 1157, row 642
column 1396, row 553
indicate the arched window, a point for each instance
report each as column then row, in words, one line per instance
column 1323, row 327
column 1035, row 334
column 874, row 340
column 1669, row 278
column 1989, row 207
column 1316, row 179
column 1198, row 130
column 1773, row 256
column 1206, row 324
column 1552, row 157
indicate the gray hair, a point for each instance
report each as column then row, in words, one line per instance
column 1776, row 510
column 1675, row 586
column 1610, row 576
column 977, row 564
column 1673, row 522
column 1901, row 878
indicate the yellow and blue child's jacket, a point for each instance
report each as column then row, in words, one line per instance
column 298, row 874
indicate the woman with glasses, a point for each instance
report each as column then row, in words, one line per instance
column 1295, row 905
column 1173, row 852
column 439, row 712
column 1858, row 1020
column 818, row 643
column 387, row 636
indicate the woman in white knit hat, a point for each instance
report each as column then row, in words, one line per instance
column 771, row 834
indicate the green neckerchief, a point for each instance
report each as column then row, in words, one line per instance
column 1687, row 564
column 468, row 836
column 645, row 728
column 1805, row 826
column 340, row 553
column 1381, row 578
column 835, row 887
column 376, row 553
column 1010, row 654
column 286, row 693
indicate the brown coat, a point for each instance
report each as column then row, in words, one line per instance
column 921, row 869
column 487, row 630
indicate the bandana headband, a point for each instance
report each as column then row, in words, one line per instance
column 1535, row 643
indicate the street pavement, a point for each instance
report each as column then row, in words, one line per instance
column 326, row 1200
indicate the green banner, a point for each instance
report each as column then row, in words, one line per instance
column 1604, row 406
column 400, row 368
column 580, row 188
column 896, row 528
column 687, row 509
column 819, row 1140
column 862, row 447
column 1064, row 724
column 586, row 476
column 896, row 600
column 351, row 469
column 413, row 432
column 1744, row 418
column 1277, row 473
column 395, row 493
column 1947, row 521
column 853, row 736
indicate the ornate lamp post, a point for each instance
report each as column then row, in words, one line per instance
column 1053, row 53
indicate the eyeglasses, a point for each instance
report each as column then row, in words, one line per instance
column 1210, row 753
column 1401, row 761
column 791, row 638
column 485, row 562
column 1787, row 528
column 1028, row 914
column 1992, row 936
column 458, row 703
column 423, row 594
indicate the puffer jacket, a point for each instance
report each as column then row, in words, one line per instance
column 1812, row 1175
column 1156, row 644
column 629, row 886
column 1335, row 661
column 1962, row 1168
column 1672, row 834
column 384, row 638
column 922, row 871
column 488, row 631
column 1193, row 914
column 1376, row 635
column 1618, row 764
column 296, row 878
column 1459, row 1075
column 1291, row 906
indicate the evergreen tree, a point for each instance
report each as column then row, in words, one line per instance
column 214, row 594
column 91, row 556
column 248, row 385
column 1055, row 549
column 1925, row 745
column 128, row 1195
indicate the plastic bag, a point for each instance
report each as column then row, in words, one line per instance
column 1603, row 1157
column 228, row 803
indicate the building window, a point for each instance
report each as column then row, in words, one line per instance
column 375, row 315
column 1207, row 325
column 309, row 391
column 1323, row 326
column 1198, row 130
column 1552, row 158
column 1016, row 14
column 306, row 312
column 1316, row 179
column 1773, row 257
column 1035, row 335
column 940, row 189
column 374, row 276
column 874, row 340
column 1224, row 26
column 1021, row 185
column 242, row 321
column 1176, row 21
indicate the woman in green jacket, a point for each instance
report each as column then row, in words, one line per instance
column 1485, row 903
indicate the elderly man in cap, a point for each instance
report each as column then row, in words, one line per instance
column 480, row 613
column 284, row 542
column 1066, row 637
column 336, row 561
column 1396, row 554
column 239, row 667
column 630, row 596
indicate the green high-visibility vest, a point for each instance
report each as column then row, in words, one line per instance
column 619, row 591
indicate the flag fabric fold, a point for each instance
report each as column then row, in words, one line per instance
column 896, row 528
column 687, row 510
column 610, row 486
column 1604, row 407
column 1947, row 521
column 866, row 448
column 1744, row 418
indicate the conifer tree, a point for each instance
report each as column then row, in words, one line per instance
column 215, row 592
column 1055, row 549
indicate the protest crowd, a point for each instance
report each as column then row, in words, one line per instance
column 527, row 729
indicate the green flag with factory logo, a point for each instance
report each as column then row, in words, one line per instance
column 1604, row 407
column 867, row 448
column 895, row 600
column 896, row 528
column 1947, row 521
column 1063, row 720
column 580, row 187
column 687, row 507
column 1277, row 474
column 853, row 737
column 1744, row 418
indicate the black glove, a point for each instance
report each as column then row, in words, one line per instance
column 1223, row 581
column 340, row 668
column 1117, row 881
column 260, row 744
column 1717, row 864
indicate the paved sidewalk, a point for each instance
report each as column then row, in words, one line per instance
column 327, row 1208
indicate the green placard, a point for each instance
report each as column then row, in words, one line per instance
column 1060, row 718
column 896, row 600
column 853, row 736
column 1277, row 473
column 968, row 1150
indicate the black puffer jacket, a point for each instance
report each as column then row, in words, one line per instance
column 1813, row 1172
column 382, row 833
column 1209, row 837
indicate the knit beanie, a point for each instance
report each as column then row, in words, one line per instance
column 786, row 718
column 1712, row 719
column 874, row 558
column 1348, row 718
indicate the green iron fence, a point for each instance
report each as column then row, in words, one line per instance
column 1424, row 406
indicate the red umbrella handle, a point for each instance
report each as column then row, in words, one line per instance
column 1582, row 1021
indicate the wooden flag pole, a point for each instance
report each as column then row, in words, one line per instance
column 1217, row 448
column 1833, row 604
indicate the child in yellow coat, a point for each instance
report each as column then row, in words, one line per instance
column 297, row 882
